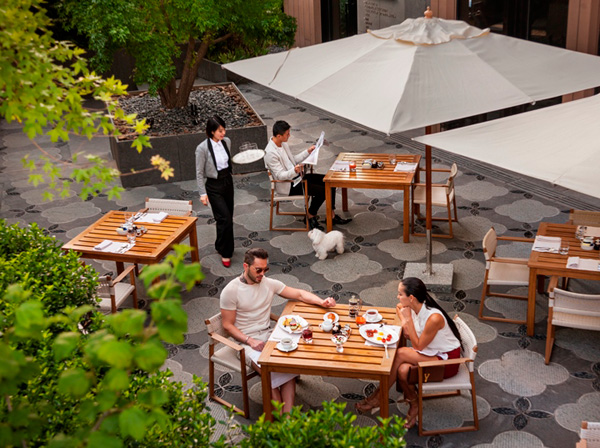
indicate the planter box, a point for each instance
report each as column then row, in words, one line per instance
column 180, row 150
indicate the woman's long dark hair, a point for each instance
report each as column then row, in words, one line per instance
column 415, row 287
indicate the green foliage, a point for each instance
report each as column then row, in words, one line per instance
column 55, row 278
column 64, row 387
column 327, row 428
column 42, row 85
column 155, row 31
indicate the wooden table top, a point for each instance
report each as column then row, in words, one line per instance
column 321, row 358
column 556, row 264
column 149, row 248
column 374, row 178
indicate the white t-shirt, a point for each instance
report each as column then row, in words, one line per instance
column 252, row 303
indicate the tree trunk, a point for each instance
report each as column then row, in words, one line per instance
column 190, row 70
column 168, row 94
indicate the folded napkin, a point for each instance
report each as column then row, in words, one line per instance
column 279, row 333
column 546, row 244
column 153, row 218
column 340, row 165
column 395, row 328
column 405, row 167
column 103, row 245
column 585, row 264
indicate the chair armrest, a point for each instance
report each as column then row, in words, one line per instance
column 420, row 184
column 441, row 170
column 515, row 238
column 123, row 274
column 509, row 260
column 227, row 342
column 281, row 181
column 442, row 362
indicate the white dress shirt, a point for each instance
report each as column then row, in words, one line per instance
column 220, row 155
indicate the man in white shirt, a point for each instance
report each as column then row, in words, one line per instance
column 246, row 308
column 285, row 166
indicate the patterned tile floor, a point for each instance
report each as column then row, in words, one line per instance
column 522, row 402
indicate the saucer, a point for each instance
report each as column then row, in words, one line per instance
column 291, row 349
column 374, row 321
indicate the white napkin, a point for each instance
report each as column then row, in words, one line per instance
column 405, row 167
column 340, row 165
column 395, row 329
column 585, row 264
column 279, row 333
column 546, row 244
column 103, row 245
column 153, row 218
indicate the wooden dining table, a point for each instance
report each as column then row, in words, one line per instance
column 149, row 248
column 553, row 264
column 320, row 357
column 372, row 178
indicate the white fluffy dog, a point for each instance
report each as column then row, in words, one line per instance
column 324, row 242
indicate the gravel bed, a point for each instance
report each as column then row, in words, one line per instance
column 204, row 102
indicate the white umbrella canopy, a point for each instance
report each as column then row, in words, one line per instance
column 422, row 72
column 558, row 144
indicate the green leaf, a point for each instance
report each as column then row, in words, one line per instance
column 29, row 320
column 150, row 355
column 99, row 439
column 153, row 271
column 116, row 353
column 132, row 422
column 127, row 322
column 155, row 397
column 170, row 319
column 116, row 380
column 64, row 344
column 73, row 382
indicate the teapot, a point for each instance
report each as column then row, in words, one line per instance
column 326, row 325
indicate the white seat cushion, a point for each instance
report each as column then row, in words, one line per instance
column 462, row 381
column 226, row 356
column 122, row 291
column 438, row 196
column 508, row 274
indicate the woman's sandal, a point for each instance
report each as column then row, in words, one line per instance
column 411, row 418
column 368, row 405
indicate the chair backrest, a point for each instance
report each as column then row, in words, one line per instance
column 489, row 243
column 450, row 182
column 214, row 324
column 584, row 218
column 571, row 309
column 469, row 343
column 170, row 206
column 590, row 432
column 105, row 287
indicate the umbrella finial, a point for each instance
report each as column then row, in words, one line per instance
column 428, row 13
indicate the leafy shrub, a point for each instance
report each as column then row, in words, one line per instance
column 58, row 279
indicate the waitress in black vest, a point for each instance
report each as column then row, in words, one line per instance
column 215, row 184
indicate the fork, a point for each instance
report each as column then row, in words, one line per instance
column 386, row 351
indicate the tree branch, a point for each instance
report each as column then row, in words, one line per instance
column 221, row 39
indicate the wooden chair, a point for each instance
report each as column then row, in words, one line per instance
column 442, row 195
column 502, row 271
column 113, row 292
column 584, row 218
column 170, row 206
column 590, row 435
column 570, row 309
column 277, row 198
column 463, row 380
column 232, row 356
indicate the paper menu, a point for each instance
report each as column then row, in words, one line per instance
column 585, row 264
column 405, row 167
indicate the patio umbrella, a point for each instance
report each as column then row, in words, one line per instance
column 558, row 144
column 422, row 72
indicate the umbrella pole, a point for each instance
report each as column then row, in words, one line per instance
column 428, row 211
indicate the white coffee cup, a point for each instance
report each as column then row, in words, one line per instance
column 371, row 315
column 287, row 343
column 326, row 325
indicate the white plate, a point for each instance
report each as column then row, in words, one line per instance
column 335, row 319
column 379, row 318
column 291, row 349
column 382, row 332
column 301, row 321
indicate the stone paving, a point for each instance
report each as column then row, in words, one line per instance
column 521, row 401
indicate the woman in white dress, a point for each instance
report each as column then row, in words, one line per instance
column 433, row 335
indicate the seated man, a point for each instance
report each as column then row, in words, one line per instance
column 285, row 166
column 246, row 308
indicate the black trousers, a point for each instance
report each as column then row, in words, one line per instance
column 220, row 197
column 316, row 190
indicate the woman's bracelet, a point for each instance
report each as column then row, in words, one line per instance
column 246, row 341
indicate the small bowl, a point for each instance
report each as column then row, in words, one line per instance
column 121, row 231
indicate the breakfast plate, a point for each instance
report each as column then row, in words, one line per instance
column 379, row 334
column 292, row 323
column 331, row 315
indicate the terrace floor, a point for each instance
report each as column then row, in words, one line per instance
column 522, row 402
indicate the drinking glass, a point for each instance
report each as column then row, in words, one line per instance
column 307, row 335
column 393, row 160
column 564, row 248
column 131, row 235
